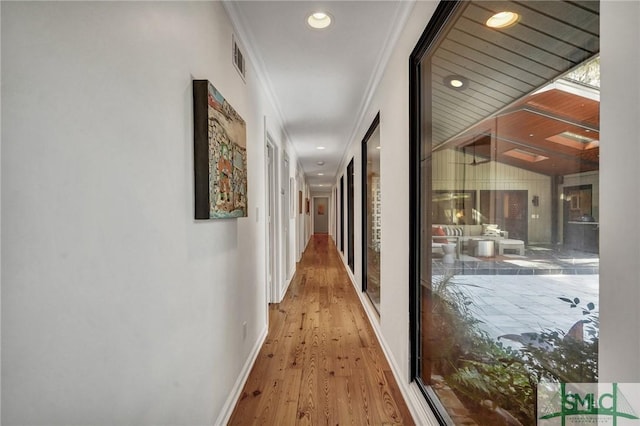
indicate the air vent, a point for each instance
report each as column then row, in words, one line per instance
column 238, row 58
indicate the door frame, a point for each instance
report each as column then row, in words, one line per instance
column 313, row 210
column 495, row 198
column 272, row 226
column 285, row 231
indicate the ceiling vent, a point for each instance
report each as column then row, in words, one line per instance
column 238, row 58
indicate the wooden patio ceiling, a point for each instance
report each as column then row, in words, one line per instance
column 553, row 133
column 511, row 111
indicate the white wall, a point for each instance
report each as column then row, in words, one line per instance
column 392, row 100
column 118, row 307
column 619, row 192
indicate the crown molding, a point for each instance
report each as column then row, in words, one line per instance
column 400, row 19
column 247, row 40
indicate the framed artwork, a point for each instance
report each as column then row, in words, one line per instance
column 307, row 206
column 299, row 202
column 220, row 155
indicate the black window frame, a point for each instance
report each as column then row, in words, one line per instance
column 351, row 216
column 444, row 11
column 342, row 214
column 372, row 128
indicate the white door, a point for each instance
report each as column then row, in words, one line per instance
column 284, row 190
column 272, row 241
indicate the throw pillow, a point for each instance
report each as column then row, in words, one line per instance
column 438, row 231
column 490, row 230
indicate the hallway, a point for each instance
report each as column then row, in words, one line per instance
column 321, row 363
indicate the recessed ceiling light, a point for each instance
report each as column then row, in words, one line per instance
column 320, row 163
column 378, row 147
column 320, row 147
column 320, row 174
column 456, row 82
column 503, row 20
column 319, row 20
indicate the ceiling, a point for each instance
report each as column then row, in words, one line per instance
column 553, row 132
column 320, row 79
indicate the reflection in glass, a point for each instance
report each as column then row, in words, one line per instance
column 508, row 184
column 372, row 209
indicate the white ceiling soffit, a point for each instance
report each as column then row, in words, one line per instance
column 320, row 81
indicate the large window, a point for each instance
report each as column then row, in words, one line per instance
column 504, row 205
column 351, row 217
column 371, row 211
column 342, row 237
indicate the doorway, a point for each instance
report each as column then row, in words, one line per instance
column 507, row 208
column 284, row 191
column 580, row 230
column 271, row 215
column 320, row 215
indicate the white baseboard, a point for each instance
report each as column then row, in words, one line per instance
column 230, row 403
column 286, row 287
column 418, row 407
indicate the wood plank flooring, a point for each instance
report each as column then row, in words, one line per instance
column 321, row 363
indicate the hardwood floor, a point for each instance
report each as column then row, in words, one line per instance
column 321, row 363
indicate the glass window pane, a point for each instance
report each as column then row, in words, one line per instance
column 509, row 206
column 372, row 209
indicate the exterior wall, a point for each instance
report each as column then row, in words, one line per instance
column 497, row 176
column 117, row 306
